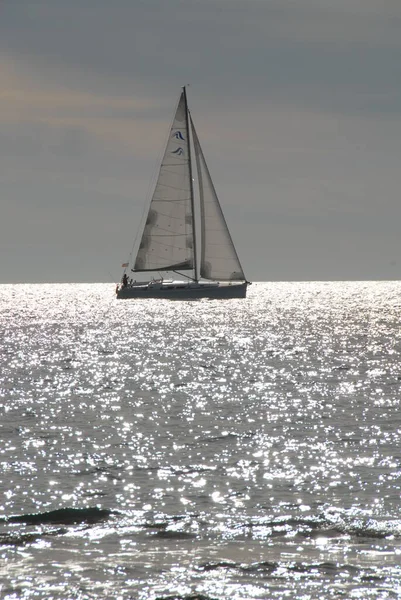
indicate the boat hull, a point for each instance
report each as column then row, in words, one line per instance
column 213, row 292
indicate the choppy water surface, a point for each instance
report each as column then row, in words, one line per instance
column 209, row 450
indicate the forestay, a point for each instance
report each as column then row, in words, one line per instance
column 167, row 239
column 219, row 259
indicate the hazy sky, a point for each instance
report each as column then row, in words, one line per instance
column 297, row 105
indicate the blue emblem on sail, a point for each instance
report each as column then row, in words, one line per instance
column 178, row 135
column 178, row 152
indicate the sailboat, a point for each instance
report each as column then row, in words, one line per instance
column 184, row 237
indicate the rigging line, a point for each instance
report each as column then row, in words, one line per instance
column 177, row 201
column 159, row 246
column 183, row 275
column 165, row 216
column 168, row 216
column 183, row 164
column 158, row 238
column 167, row 235
column 172, row 187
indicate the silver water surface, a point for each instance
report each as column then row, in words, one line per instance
column 213, row 449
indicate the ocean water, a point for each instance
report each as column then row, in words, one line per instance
column 206, row 450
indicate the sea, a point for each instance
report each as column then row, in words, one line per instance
column 205, row 450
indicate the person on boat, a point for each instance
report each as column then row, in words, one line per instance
column 125, row 280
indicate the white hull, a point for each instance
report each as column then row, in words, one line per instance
column 184, row 292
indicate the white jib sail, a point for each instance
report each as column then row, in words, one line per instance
column 167, row 239
column 219, row 259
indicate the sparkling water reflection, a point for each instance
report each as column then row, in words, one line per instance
column 242, row 449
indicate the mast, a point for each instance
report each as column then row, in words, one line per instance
column 191, row 187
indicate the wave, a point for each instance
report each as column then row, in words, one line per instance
column 269, row 567
column 346, row 523
column 67, row 516
column 323, row 525
column 327, row 524
column 27, row 538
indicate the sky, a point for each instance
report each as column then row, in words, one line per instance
column 297, row 104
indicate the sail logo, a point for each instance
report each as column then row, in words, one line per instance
column 178, row 136
column 178, row 152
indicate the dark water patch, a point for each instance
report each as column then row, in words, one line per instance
column 324, row 568
column 373, row 579
column 18, row 540
column 276, row 569
column 29, row 413
column 22, row 539
column 106, row 472
column 331, row 532
column 9, row 431
column 218, row 438
column 93, row 494
column 213, row 566
column 231, row 436
column 170, row 534
column 194, row 596
column 68, row 516
column 263, row 567
column 167, row 521
column 186, row 470
column 327, row 568
column 284, row 523
column 85, row 472
column 175, row 527
column 161, row 525
column 147, row 468
column 351, row 440
column 312, row 522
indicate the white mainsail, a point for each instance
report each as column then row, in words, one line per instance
column 167, row 239
column 219, row 259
